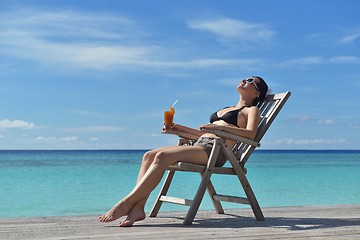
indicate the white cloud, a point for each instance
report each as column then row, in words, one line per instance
column 16, row 124
column 326, row 121
column 302, row 61
column 94, row 139
column 72, row 38
column 230, row 29
column 88, row 113
column 342, row 37
column 308, row 118
column 303, row 118
column 60, row 25
column 350, row 38
column 345, row 59
column 56, row 139
column 92, row 129
column 205, row 63
column 83, row 55
column 83, row 41
column 316, row 60
column 291, row 141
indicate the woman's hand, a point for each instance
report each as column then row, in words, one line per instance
column 210, row 126
column 165, row 128
column 173, row 127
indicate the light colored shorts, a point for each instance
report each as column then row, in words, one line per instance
column 207, row 144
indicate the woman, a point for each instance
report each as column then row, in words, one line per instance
column 241, row 119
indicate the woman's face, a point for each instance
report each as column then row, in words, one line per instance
column 249, row 84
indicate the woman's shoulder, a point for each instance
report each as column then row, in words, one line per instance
column 252, row 110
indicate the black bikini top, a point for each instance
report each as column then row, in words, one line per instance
column 230, row 117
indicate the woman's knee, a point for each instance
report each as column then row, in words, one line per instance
column 162, row 158
column 149, row 156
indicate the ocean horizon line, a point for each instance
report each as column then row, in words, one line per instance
column 140, row 149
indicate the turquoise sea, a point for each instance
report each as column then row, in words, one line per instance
column 55, row 183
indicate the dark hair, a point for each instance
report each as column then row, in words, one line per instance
column 263, row 87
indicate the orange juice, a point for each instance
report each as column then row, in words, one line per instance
column 169, row 116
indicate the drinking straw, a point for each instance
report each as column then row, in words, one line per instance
column 174, row 103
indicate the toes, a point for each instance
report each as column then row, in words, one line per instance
column 126, row 223
column 104, row 218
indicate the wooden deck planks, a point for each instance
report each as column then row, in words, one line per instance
column 319, row 222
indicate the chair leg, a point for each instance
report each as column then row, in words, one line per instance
column 197, row 199
column 252, row 199
column 194, row 207
column 164, row 189
column 217, row 204
column 250, row 195
column 246, row 186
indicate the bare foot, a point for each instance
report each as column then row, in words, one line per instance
column 136, row 214
column 119, row 210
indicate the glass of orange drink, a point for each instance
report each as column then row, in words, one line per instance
column 169, row 116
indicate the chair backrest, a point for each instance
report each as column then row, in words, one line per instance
column 269, row 109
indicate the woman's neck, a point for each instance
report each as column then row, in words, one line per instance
column 244, row 102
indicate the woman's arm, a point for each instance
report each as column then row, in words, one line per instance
column 250, row 130
column 181, row 128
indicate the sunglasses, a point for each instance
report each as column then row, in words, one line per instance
column 252, row 80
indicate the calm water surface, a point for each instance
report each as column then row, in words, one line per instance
column 48, row 183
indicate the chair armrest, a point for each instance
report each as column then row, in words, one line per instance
column 184, row 135
column 232, row 136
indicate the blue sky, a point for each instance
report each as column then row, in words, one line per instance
column 98, row 74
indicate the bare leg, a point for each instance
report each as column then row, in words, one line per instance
column 112, row 214
column 152, row 177
column 137, row 211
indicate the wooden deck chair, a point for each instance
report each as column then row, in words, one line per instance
column 239, row 155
